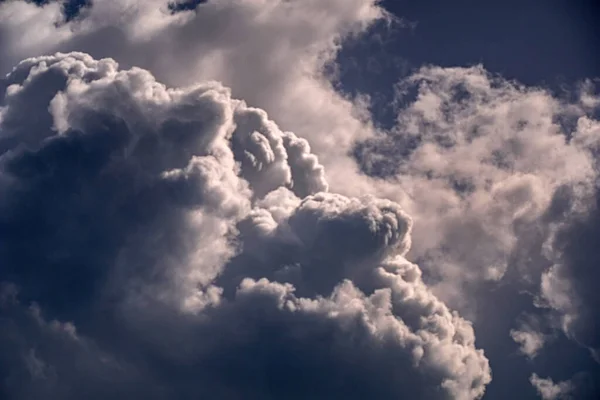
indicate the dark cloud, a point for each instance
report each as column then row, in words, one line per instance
column 569, row 285
column 174, row 243
column 311, row 248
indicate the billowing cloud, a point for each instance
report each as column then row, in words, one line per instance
column 501, row 182
column 176, row 241
column 217, row 204
column 480, row 158
column 273, row 54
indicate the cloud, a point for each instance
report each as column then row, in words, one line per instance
column 501, row 183
column 567, row 286
column 49, row 359
column 175, row 240
column 273, row 54
column 582, row 385
column 548, row 390
column 530, row 337
column 494, row 175
column 478, row 160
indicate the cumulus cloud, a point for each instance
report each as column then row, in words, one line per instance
column 309, row 246
column 480, row 158
column 501, row 183
column 272, row 54
column 498, row 180
column 176, row 241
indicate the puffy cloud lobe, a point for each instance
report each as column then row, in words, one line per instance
column 186, row 245
column 307, row 172
column 320, row 221
column 530, row 341
column 104, row 180
column 437, row 327
column 318, row 242
column 272, row 54
column 580, row 386
column 347, row 344
column 479, row 158
column 495, row 174
column 263, row 151
column 548, row 390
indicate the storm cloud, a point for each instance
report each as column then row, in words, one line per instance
column 191, row 205
column 126, row 206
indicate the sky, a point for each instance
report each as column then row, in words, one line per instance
column 308, row 199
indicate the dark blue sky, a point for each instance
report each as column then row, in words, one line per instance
column 553, row 43
column 534, row 41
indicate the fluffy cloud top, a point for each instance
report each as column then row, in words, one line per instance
column 480, row 157
column 176, row 243
column 271, row 53
column 501, row 182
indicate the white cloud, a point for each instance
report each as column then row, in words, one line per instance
column 548, row 390
column 480, row 163
column 530, row 337
column 271, row 53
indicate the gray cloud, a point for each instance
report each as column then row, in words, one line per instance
column 127, row 206
column 568, row 285
column 530, row 335
column 498, row 178
column 479, row 160
column 272, row 54
column 49, row 359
